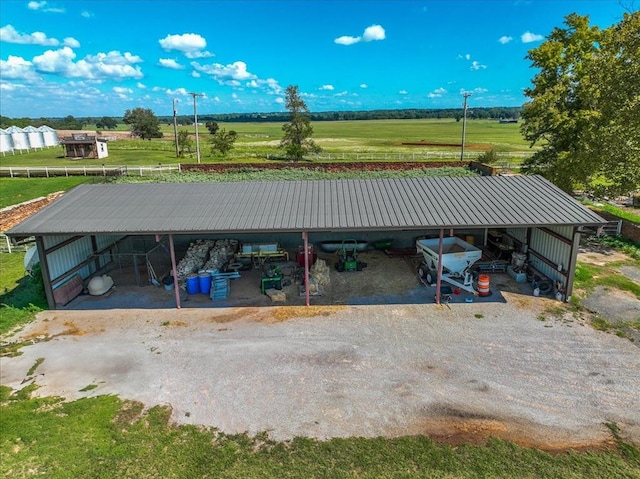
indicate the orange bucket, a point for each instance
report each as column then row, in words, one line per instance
column 483, row 285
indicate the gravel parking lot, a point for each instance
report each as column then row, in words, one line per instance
column 458, row 373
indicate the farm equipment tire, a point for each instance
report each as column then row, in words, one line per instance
column 425, row 274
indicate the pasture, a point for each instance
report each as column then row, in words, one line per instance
column 258, row 142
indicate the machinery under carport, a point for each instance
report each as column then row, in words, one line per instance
column 75, row 233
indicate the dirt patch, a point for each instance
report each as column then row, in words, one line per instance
column 601, row 257
column 339, row 371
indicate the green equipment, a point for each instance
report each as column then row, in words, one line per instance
column 348, row 257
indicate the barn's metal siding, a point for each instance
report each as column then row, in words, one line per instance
column 553, row 249
column 68, row 257
column 518, row 233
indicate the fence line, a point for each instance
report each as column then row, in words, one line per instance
column 50, row 171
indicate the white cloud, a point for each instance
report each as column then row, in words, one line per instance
column 252, row 84
column 466, row 56
column 16, row 68
column 190, row 44
column 195, row 74
column 10, row 35
column 372, row 33
column 122, row 92
column 505, row 39
column 234, row 96
column 86, row 14
column 279, row 100
column 36, row 5
column 71, row 42
column 347, row 40
column 33, row 5
column 403, row 92
column 528, row 37
column 170, row 63
column 477, row 66
column 480, row 90
column 437, row 93
column 364, row 85
column 230, row 74
column 342, row 93
column 176, row 92
column 92, row 67
column 141, row 85
column 326, row 87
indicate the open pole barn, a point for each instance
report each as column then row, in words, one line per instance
column 81, row 234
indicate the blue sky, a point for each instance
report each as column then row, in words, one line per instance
column 95, row 58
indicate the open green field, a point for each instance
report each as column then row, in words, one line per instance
column 17, row 190
column 257, row 140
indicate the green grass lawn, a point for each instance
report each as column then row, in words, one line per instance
column 105, row 437
column 17, row 190
column 21, row 295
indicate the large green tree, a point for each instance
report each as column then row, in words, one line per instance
column 584, row 105
column 143, row 123
column 297, row 141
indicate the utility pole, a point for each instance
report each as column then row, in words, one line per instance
column 175, row 126
column 195, row 120
column 464, row 121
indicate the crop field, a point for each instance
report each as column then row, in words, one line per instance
column 258, row 142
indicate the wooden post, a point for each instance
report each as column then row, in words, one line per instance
column 305, row 240
column 439, row 273
column 175, row 271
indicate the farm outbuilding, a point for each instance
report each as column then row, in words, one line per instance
column 6, row 142
column 49, row 135
column 19, row 138
column 35, row 137
column 80, row 235
column 81, row 145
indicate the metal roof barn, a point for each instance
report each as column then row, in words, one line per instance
column 539, row 217
column 356, row 205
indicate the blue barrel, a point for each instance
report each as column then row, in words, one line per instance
column 205, row 282
column 193, row 285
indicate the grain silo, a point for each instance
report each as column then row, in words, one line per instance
column 35, row 137
column 6, row 143
column 49, row 135
column 19, row 138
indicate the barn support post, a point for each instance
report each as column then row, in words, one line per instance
column 571, row 267
column 46, row 275
column 174, row 269
column 305, row 240
column 439, row 273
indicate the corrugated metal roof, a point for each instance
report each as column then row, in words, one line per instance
column 380, row 204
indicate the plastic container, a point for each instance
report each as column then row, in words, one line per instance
column 483, row 285
column 204, row 282
column 193, row 283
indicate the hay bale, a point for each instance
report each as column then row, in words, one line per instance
column 320, row 273
column 276, row 295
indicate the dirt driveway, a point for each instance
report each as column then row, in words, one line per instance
column 459, row 374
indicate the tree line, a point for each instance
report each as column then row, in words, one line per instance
column 110, row 123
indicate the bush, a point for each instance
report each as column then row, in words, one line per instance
column 489, row 157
